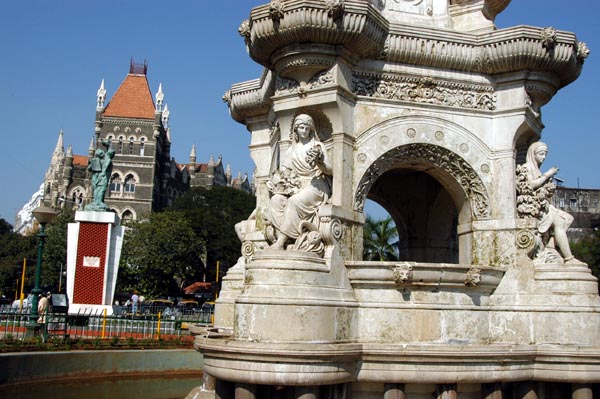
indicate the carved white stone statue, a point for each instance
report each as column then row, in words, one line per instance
column 301, row 185
column 535, row 191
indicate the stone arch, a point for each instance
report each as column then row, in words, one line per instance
column 440, row 163
column 446, row 148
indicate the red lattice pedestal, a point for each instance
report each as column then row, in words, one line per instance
column 93, row 251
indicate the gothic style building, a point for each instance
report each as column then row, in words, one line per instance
column 145, row 177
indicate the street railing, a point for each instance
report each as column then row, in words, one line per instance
column 14, row 324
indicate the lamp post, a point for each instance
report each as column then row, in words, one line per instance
column 44, row 215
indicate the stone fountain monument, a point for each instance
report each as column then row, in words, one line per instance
column 424, row 107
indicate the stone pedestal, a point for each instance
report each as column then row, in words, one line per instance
column 93, row 252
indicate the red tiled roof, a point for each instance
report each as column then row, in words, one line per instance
column 80, row 160
column 203, row 167
column 133, row 99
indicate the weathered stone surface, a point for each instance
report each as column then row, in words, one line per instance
column 425, row 108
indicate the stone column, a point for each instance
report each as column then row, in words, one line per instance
column 245, row 391
column 491, row 391
column 582, row 391
column 306, row 393
column 446, row 391
column 224, row 389
column 393, row 391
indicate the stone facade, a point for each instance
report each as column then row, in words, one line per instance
column 426, row 109
column 145, row 177
column 584, row 205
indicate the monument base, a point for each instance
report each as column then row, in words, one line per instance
column 93, row 250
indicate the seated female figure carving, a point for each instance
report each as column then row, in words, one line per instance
column 535, row 191
column 300, row 185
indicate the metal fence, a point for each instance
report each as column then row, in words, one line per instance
column 16, row 323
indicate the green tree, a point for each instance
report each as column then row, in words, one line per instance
column 380, row 239
column 159, row 252
column 13, row 249
column 55, row 251
column 588, row 250
column 213, row 214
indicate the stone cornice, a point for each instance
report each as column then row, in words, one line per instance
column 251, row 98
column 363, row 31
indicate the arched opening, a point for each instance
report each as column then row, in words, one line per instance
column 424, row 213
column 380, row 236
column 433, row 195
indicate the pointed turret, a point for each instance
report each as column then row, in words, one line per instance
column 165, row 116
column 101, row 96
column 211, row 161
column 159, row 98
column 193, row 154
column 92, row 147
column 228, row 175
column 60, row 148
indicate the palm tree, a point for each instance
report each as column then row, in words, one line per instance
column 380, row 239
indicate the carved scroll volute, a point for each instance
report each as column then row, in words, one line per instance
column 331, row 229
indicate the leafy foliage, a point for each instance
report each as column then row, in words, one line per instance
column 13, row 249
column 213, row 214
column 588, row 250
column 156, row 252
column 380, row 239
column 55, row 251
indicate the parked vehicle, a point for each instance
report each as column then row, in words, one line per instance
column 156, row 306
column 25, row 305
column 187, row 307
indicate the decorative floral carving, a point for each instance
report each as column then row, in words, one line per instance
column 403, row 273
column 276, row 9
column 473, row 277
column 425, row 90
column 483, row 60
column 244, row 29
column 289, row 86
column 440, row 157
column 335, row 8
column 227, row 98
column 548, row 38
column 582, row 51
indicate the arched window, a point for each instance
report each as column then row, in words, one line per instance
column 121, row 145
column 131, row 146
column 129, row 186
column 127, row 215
column 115, row 184
column 142, row 144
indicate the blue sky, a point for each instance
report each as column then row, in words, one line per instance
column 55, row 54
